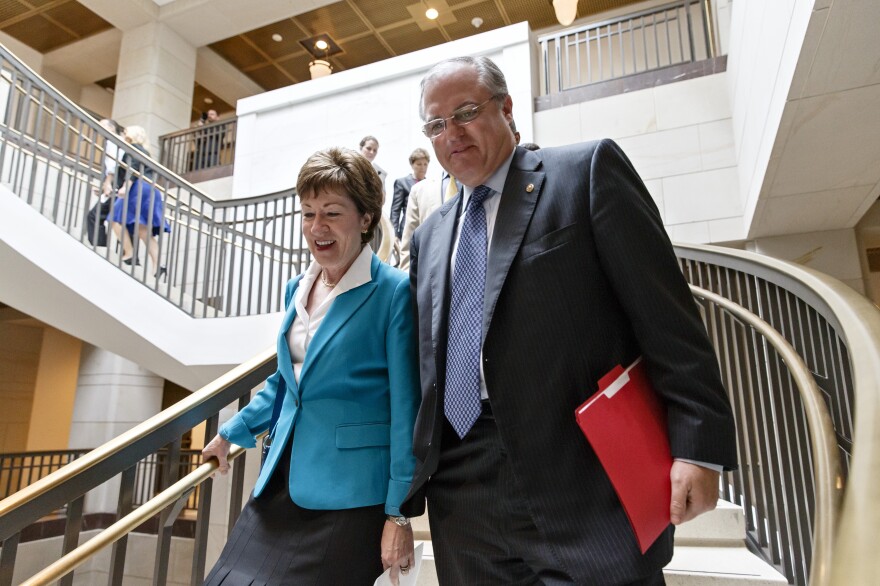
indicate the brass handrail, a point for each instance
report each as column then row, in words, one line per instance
column 827, row 472
column 128, row 523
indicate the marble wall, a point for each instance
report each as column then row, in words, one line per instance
column 680, row 139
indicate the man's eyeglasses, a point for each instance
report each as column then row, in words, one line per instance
column 462, row 117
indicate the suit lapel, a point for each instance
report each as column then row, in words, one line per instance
column 439, row 256
column 344, row 306
column 284, row 362
column 521, row 190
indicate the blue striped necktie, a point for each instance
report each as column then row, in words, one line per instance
column 462, row 397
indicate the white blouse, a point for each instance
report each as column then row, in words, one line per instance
column 304, row 326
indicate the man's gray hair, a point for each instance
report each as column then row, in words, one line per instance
column 488, row 74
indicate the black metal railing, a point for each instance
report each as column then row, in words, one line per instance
column 206, row 147
column 676, row 33
column 19, row 470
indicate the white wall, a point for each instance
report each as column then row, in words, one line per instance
column 833, row 252
column 765, row 43
column 680, row 139
column 278, row 130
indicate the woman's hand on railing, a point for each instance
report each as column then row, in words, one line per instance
column 218, row 448
column 694, row 491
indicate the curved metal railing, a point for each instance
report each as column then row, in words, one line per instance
column 836, row 332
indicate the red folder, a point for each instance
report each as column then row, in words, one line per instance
column 625, row 422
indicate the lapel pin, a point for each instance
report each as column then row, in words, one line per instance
column 530, row 187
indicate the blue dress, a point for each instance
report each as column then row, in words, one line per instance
column 143, row 204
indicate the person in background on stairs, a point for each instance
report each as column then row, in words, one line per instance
column 340, row 408
column 97, row 216
column 140, row 208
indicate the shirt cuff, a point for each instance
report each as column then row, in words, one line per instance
column 714, row 467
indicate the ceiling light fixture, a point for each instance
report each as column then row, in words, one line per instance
column 431, row 14
column 209, row 100
column 321, row 45
column 566, row 11
column 277, row 38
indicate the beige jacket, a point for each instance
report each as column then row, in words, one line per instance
column 424, row 198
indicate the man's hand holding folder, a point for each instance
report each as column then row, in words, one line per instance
column 625, row 422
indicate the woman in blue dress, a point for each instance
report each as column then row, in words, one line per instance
column 141, row 209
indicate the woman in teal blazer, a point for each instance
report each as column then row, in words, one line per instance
column 325, row 508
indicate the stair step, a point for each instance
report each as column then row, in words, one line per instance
column 719, row 566
column 725, row 526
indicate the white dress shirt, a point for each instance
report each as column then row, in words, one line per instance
column 304, row 326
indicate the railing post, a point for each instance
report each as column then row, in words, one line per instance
column 690, row 29
column 237, row 495
column 203, row 515
column 117, row 557
column 170, row 475
column 72, row 529
column 7, row 559
column 709, row 28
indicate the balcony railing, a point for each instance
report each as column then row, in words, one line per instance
column 21, row 469
column 676, row 33
column 192, row 153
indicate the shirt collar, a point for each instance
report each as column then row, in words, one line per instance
column 495, row 182
column 358, row 273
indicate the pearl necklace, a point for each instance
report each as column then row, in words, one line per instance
column 324, row 280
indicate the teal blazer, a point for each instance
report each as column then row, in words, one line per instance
column 353, row 411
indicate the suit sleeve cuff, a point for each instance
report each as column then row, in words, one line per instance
column 714, row 467
column 397, row 491
column 236, row 432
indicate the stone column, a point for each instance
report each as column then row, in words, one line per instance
column 113, row 395
column 154, row 83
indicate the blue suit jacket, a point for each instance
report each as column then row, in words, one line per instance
column 352, row 413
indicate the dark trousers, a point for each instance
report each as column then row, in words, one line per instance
column 481, row 527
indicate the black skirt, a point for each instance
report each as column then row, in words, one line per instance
column 275, row 542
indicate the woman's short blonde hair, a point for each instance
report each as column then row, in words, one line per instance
column 417, row 154
column 349, row 172
column 136, row 134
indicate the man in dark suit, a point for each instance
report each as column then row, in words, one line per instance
column 545, row 272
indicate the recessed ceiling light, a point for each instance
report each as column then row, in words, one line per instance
column 432, row 13
column 277, row 38
column 321, row 45
column 209, row 100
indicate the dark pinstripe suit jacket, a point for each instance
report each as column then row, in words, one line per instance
column 581, row 277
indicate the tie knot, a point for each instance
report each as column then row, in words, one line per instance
column 480, row 194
